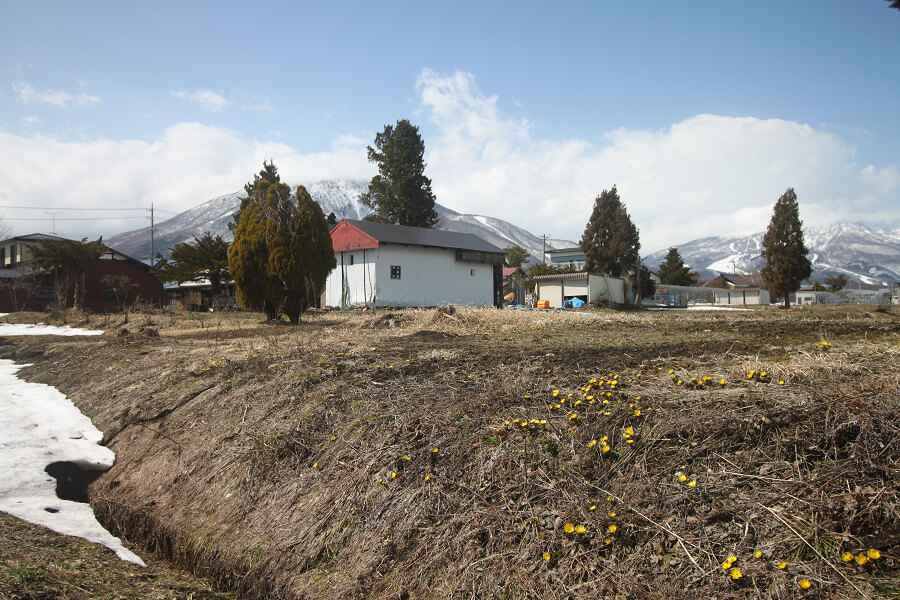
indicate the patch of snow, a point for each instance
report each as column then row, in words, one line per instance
column 41, row 329
column 41, row 426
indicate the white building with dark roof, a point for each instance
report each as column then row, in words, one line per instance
column 379, row 264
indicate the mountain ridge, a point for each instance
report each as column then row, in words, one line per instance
column 851, row 249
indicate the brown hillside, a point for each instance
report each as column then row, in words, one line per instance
column 503, row 454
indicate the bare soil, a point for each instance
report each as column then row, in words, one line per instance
column 417, row 454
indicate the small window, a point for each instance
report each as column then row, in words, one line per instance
column 395, row 271
column 472, row 272
column 351, row 259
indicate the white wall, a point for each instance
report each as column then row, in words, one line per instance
column 605, row 289
column 428, row 277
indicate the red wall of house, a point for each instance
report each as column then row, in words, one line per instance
column 142, row 286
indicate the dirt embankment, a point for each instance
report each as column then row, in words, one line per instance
column 503, row 454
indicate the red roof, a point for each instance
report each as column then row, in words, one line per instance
column 507, row 271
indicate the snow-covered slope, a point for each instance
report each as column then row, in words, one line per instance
column 341, row 197
column 860, row 253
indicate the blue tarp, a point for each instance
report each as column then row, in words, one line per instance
column 573, row 303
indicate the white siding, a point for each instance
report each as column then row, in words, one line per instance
column 428, row 277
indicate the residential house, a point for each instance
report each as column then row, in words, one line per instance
column 113, row 281
column 379, row 264
column 567, row 257
column 732, row 289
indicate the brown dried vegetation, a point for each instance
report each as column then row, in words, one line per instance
column 356, row 457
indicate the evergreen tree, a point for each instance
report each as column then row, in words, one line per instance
column 516, row 255
column 646, row 285
column 610, row 242
column 282, row 250
column 305, row 258
column 205, row 258
column 836, row 282
column 784, row 250
column 71, row 256
column 400, row 193
column 673, row 271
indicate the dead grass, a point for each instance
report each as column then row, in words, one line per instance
column 291, row 462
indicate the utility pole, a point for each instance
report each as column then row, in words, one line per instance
column 544, row 247
column 152, row 260
column 52, row 221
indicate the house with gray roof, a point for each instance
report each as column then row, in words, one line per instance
column 380, row 264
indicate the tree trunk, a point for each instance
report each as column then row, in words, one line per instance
column 787, row 301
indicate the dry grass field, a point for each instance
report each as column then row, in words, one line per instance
column 499, row 454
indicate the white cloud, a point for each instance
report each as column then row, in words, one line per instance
column 188, row 165
column 704, row 176
column 208, row 100
column 27, row 94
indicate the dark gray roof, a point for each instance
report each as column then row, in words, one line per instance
column 419, row 236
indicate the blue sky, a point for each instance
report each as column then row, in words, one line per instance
column 702, row 113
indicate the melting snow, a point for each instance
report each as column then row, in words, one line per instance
column 41, row 426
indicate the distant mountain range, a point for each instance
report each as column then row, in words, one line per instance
column 853, row 250
column 342, row 197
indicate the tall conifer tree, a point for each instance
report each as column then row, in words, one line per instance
column 611, row 243
column 784, row 250
column 400, row 193
column 282, row 250
column 673, row 271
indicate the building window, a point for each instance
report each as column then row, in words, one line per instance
column 472, row 272
column 351, row 259
column 395, row 271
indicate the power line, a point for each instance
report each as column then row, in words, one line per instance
column 65, row 209
column 71, row 218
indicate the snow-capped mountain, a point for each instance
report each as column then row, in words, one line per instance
column 341, row 197
column 854, row 250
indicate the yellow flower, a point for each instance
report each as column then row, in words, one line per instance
column 847, row 557
column 393, row 474
column 405, row 457
column 861, row 559
column 555, row 393
column 721, row 382
column 427, row 477
column 732, row 558
column 580, row 529
column 781, row 382
column 610, row 499
column 434, row 451
column 629, row 431
column 612, row 514
column 607, row 541
column 873, row 554
column 725, row 565
column 692, row 483
column 593, row 507
column 334, row 437
column 804, row 583
column 629, row 441
column 637, row 412
column 546, row 556
column 757, row 554
column 315, row 465
column 612, row 528
column 782, row 565
column 592, row 443
column 569, row 528
column 374, row 348
column 682, row 477
column 736, row 573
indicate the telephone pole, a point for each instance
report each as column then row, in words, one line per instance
column 152, row 260
column 544, row 247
